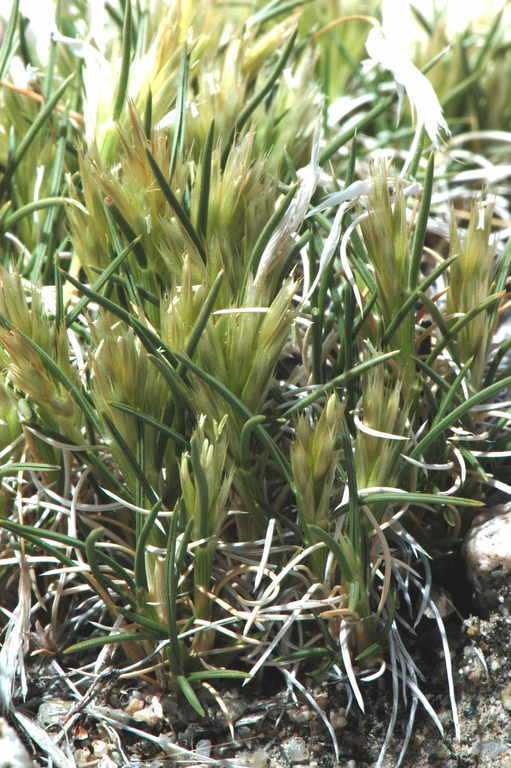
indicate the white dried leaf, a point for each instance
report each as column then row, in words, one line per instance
column 418, row 88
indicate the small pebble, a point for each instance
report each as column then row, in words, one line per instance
column 296, row 749
column 134, row 705
column 12, row 751
column 493, row 749
column 301, row 715
column 53, row 712
column 99, row 747
column 505, row 697
column 338, row 719
column 82, row 756
column 487, row 551
column 257, row 759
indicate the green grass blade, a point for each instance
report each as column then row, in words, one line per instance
column 171, row 580
column 205, row 186
column 176, row 206
column 350, row 132
column 112, row 212
column 485, row 394
column 347, row 573
column 8, row 38
column 421, row 19
column 36, row 205
column 212, row 674
column 203, row 317
column 179, row 135
column 122, row 85
column 99, row 642
column 338, row 381
column 421, row 225
column 452, row 332
column 414, row 296
column 258, row 98
column 36, row 538
column 157, row 629
column 354, row 517
column 202, row 489
column 151, row 342
column 190, row 695
column 130, row 456
column 145, row 418
column 28, row 138
column 104, row 277
column 269, row 228
column 8, row 469
column 140, row 548
column 450, row 395
column 148, row 115
column 92, row 560
column 404, row 497
column 271, row 10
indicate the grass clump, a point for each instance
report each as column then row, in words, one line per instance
column 240, row 344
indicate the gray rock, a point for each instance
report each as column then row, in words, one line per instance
column 12, row 752
column 492, row 750
column 487, row 551
column 296, row 750
column 505, row 697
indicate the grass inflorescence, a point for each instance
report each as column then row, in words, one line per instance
column 250, row 382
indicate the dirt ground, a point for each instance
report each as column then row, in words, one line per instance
column 125, row 723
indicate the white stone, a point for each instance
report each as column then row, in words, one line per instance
column 296, row 749
column 12, row 752
column 488, row 544
column 487, row 552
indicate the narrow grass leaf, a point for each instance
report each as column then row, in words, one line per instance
column 174, row 650
column 450, row 395
column 339, row 381
column 145, row 418
column 140, row 547
column 203, row 316
column 148, row 115
column 104, row 277
column 190, row 695
column 122, row 85
column 267, row 231
column 8, row 38
column 99, row 642
column 92, row 559
column 254, row 102
column 336, row 548
column 15, row 467
column 205, row 184
column 151, row 342
column 179, row 134
column 479, row 397
column 224, row 674
column 412, row 299
column 421, row 224
column 130, row 456
column 38, row 205
column 176, row 206
column 22, row 148
column 406, row 497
